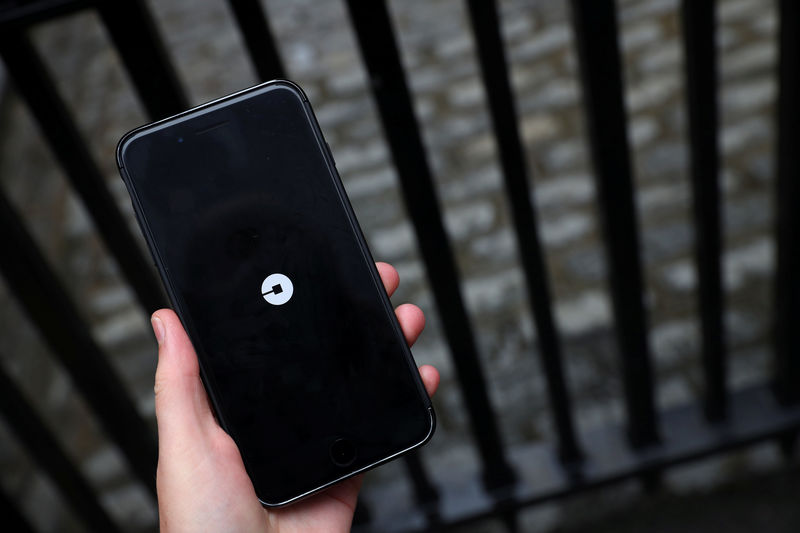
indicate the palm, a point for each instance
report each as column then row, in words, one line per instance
column 331, row 510
column 202, row 482
column 220, row 479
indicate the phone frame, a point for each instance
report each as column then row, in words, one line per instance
column 323, row 146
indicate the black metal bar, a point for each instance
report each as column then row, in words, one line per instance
column 134, row 33
column 787, row 443
column 595, row 29
column 787, row 281
column 486, row 27
column 379, row 49
column 699, row 30
column 50, row 308
column 754, row 417
column 38, row 90
column 424, row 491
column 510, row 520
column 42, row 445
column 361, row 515
column 252, row 21
column 16, row 15
column 11, row 517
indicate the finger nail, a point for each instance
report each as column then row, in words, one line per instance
column 158, row 329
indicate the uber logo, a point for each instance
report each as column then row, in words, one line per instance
column 277, row 289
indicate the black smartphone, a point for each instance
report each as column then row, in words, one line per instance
column 264, row 262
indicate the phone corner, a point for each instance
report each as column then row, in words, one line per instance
column 122, row 146
column 432, row 429
column 119, row 150
column 291, row 85
column 269, row 505
column 429, row 432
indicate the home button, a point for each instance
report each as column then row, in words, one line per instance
column 343, row 452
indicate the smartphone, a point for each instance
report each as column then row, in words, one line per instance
column 259, row 250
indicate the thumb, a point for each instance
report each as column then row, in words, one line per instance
column 182, row 407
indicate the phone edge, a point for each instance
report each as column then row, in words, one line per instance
column 345, row 200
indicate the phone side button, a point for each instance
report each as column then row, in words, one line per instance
column 343, row 452
column 330, row 153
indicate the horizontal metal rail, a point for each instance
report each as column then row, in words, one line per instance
column 754, row 416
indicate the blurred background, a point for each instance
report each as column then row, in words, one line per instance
column 750, row 487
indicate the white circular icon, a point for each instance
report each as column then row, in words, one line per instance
column 277, row 289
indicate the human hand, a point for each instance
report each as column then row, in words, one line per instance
column 201, row 480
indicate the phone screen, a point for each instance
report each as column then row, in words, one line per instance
column 265, row 264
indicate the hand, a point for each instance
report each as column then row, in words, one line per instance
column 202, row 484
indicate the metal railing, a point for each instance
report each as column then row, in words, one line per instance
column 511, row 477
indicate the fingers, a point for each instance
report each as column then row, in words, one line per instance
column 411, row 318
column 412, row 321
column 181, row 403
column 430, row 377
column 389, row 276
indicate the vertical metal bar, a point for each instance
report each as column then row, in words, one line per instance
column 425, row 493
column 787, row 443
column 36, row 87
column 44, row 447
column 595, row 28
column 361, row 515
column 787, row 281
column 11, row 517
column 486, row 27
column 252, row 21
column 510, row 521
column 699, row 30
column 24, row 14
column 379, row 50
column 134, row 33
column 50, row 308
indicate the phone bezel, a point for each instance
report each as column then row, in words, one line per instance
column 322, row 145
